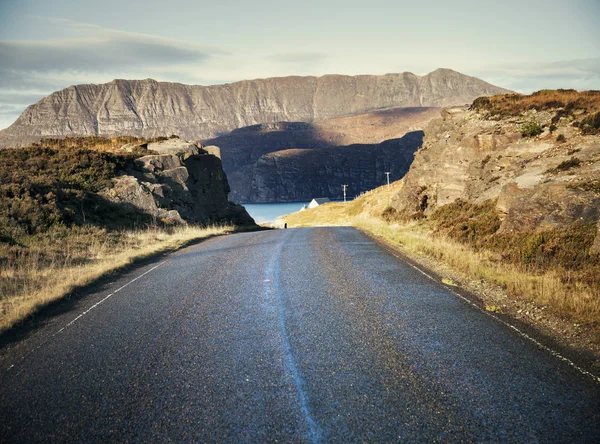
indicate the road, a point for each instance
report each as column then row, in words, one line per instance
column 299, row 335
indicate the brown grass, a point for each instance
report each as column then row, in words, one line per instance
column 569, row 100
column 46, row 268
column 102, row 144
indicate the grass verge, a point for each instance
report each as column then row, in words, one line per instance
column 45, row 268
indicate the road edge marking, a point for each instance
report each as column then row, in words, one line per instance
column 507, row 324
column 86, row 312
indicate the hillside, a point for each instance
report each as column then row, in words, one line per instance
column 147, row 108
column 503, row 199
column 81, row 182
column 295, row 175
column 273, row 162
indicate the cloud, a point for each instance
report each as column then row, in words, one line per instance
column 580, row 74
column 93, row 48
column 89, row 54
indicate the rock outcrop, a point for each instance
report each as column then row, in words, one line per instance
column 148, row 108
column 546, row 180
column 182, row 183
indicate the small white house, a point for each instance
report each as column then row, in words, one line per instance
column 318, row 201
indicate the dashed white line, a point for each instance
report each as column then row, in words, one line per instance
column 91, row 308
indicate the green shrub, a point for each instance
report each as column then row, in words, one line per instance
column 561, row 138
column 531, row 129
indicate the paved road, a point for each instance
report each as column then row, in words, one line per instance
column 307, row 335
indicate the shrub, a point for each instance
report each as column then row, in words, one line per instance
column 567, row 247
column 591, row 124
column 565, row 165
column 561, row 138
column 592, row 185
column 531, row 129
column 467, row 222
column 43, row 187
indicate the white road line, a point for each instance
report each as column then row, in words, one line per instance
column 507, row 324
column 110, row 295
column 90, row 309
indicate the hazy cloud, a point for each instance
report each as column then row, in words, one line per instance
column 89, row 54
column 93, row 48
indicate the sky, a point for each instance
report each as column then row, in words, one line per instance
column 523, row 45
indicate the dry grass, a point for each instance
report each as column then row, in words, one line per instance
column 516, row 104
column 561, row 291
column 102, row 144
column 50, row 267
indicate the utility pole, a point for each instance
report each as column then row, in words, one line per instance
column 344, row 187
column 387, row 173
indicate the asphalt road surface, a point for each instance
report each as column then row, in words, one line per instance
column 304, row 335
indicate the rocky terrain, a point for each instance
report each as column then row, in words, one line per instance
column 148, row 108
column 274, row 162
column 539, row 162
column 180, row 183
column 85, row 182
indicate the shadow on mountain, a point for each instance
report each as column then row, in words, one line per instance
column 294, row 175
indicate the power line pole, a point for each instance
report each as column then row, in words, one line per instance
column 344, row 187
column 387, row 173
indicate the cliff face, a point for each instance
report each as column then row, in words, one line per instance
column 182, row 183
column 542, row 180
column 148, row 108
column 294, row 175
column 349, row 147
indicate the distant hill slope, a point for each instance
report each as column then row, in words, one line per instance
column 295, row 161
column 148, row 108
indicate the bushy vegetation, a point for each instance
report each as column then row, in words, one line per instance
column 592, row 185
column 591, row 124
column 531, row 129
column 96, row 143
column 566, row 249
column 43, row 187
column 467, row 222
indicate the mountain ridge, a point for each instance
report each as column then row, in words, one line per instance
column 151, row 108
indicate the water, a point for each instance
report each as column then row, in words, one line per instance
column 271, row 211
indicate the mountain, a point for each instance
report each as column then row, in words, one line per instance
column 148, row 108
column 295, row 175
column 296, row 161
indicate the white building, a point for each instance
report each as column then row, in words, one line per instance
column 318, row 201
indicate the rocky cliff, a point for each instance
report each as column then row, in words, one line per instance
column 294, row 175
column 180, row 183
column 347, row 147
column 149, row 108
column 537, row 156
